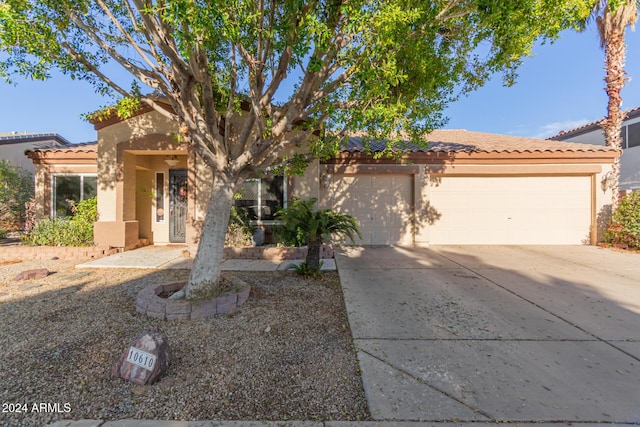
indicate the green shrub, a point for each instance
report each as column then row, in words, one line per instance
column 74, row 231
column 16, row 188
column 304, row 270
column 301, row 223
column 625, row 224
column 239, row 231
column 3, row 234
column 283, row 236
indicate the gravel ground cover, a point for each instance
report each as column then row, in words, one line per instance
column 287, row 354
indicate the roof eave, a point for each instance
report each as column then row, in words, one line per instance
column 63, row 157
column 26, row 139
column 111, row 118
column 590, row 127
column 429, row 157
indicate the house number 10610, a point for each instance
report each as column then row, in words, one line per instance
column 141, row 358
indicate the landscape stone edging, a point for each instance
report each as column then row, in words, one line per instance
column 149, row 303
column 93, row 252
column 60, row 252
column 274, row 252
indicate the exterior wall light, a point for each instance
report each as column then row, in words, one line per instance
column 607, row 181
column 325, row 179
column 172, row 161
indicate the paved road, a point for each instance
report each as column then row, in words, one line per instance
column 496, row 333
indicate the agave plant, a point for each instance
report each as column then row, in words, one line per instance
column 300, row 221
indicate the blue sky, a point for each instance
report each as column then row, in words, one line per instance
column 559, row 88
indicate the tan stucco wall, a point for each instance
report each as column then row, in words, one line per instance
column 602, row 203
column 144, row 200
column 130, row 153
column 116, row 234
column 42, row 190
column 307, row 186
column 203, row 180
column 109, row 137
column 14, row 153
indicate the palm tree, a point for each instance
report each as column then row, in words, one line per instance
column 303, row 224
column 612, row 19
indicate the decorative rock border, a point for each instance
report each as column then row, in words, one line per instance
column 274, row 252
column 60, row 252
column 149, row 302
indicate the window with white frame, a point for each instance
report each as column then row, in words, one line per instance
column 262, row 197
column 71, row 187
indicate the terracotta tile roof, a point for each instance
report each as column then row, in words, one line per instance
column 463, row 141
column 630, row 113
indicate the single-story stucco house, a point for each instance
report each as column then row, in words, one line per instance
column 466, row 188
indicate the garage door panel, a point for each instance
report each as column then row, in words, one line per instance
column 382, row 205
column 511, row 210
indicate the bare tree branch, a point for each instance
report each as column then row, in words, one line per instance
column 132, row 42
column 441, row 15
column 162, row 38
column 283, row 63
column 266, row 53
column 256, row 109
column 148, row 77
column 93, row 69
column 157, row 107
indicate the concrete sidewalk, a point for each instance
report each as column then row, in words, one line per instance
column 496, row 334
column 171, row 257
column 154, row 423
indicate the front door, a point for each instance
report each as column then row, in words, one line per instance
column 178, row 196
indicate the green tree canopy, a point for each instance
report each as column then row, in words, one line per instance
column 379, row 66
column 293, row 66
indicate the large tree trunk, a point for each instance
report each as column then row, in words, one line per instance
column 615, row 79
column 205, row 273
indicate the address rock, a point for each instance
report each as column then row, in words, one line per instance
column 145, row 359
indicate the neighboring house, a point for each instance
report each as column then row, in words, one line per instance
column 14, row 144
column 592, row 133
column 466, row 188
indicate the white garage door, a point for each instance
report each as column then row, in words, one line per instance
column 382, row 204
column 510, row 210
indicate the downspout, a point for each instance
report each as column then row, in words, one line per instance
column 593, row 240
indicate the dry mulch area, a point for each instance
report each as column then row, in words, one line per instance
column 287, row 354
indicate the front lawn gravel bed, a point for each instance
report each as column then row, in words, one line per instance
column 287, row 354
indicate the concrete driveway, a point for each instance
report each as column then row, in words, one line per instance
column 496, row 333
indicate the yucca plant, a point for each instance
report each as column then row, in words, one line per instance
column 301, row 221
